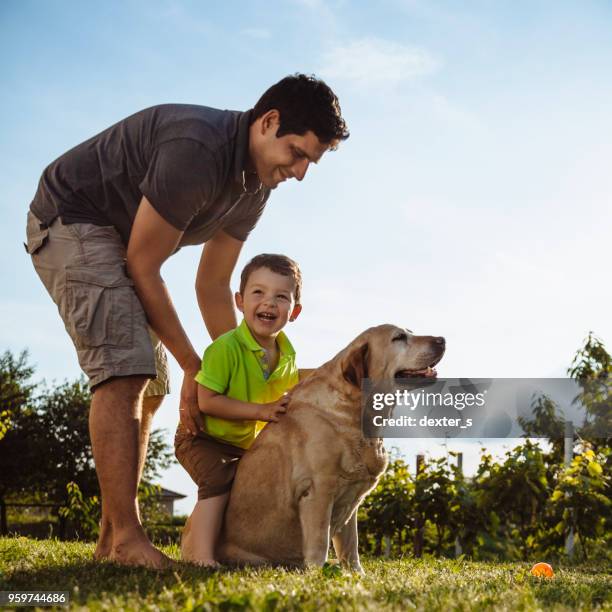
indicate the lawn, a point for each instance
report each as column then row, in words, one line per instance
column 405, row 584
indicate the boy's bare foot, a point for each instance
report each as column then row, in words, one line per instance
column 139, row 551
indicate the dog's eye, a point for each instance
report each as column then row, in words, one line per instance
column 401, row 338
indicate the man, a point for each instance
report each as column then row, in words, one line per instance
column 106, row 216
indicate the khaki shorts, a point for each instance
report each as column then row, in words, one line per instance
column 83, row 268
column 210, row 463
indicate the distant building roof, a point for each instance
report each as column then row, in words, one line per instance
column 168, row 494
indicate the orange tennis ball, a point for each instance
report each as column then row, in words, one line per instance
column 542, row 570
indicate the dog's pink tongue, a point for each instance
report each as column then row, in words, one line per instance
column 428, row 372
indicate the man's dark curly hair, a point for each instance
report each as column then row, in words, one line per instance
column 304, row 103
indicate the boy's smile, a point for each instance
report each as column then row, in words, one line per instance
column 268, row 303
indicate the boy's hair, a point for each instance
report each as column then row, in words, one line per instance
column 281, row 264
column 304, row 103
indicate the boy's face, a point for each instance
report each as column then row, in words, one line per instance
column 267, row 303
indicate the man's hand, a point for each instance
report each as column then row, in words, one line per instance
column 273, row 410
column 189, row 413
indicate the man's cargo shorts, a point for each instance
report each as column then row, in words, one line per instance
column 83, row 268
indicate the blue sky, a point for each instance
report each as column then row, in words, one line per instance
column 473, row 199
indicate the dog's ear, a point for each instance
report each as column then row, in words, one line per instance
column 355, row 366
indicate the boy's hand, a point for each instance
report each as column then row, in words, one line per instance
column 273, row 410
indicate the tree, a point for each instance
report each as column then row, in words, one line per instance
column 46, row 445
column 466, row 519
column 66, row 448
column 19, row 463
column 160, row 456
column 592, row 369
column 435, row 491
column 64, row 419
column 545, row 424
column 578, row 488
column 387, row 512
column 580, row 497
column 512, row 495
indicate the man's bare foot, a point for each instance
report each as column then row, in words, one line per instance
column 139, row 551
column 105, row 541
column 208, row 563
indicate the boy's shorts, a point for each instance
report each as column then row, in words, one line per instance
column 211, row 463
column 83, row 268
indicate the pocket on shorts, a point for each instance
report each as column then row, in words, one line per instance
column 36, row 234
column 100, row 306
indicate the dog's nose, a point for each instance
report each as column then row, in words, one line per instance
column 440, row 340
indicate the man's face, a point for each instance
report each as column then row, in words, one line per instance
column 278, row 159
column 267, row 303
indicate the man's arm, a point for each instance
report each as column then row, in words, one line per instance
column 215, row 299
column 152, row 241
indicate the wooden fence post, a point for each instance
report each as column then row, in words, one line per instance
column 3, row 521
column 568, row 448
column 386, row 547
column 420, row 519
column 458, row 549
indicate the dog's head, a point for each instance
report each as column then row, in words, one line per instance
column 386, row 352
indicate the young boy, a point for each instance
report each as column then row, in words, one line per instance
column 244, row 376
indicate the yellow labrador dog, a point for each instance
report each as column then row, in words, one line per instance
column 304, row 477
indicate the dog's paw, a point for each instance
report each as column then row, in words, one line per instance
column 353, row 566
column 356, row 567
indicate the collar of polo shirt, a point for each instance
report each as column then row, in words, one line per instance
column 246, row 339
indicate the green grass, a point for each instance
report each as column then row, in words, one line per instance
column 426, row 584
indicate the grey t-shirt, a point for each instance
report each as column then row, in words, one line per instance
column 189, row 161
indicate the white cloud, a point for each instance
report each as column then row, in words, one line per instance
column 375, row 61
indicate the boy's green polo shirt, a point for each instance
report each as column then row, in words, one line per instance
column 232, row 365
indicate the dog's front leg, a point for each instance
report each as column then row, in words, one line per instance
column 346, row 545
column 315, row 515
